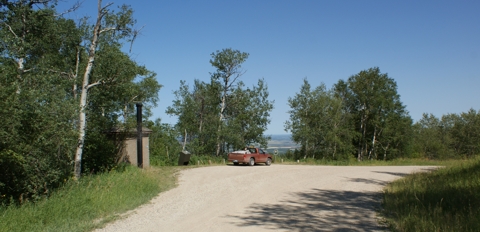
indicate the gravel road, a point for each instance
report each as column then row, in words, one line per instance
column 268, row 198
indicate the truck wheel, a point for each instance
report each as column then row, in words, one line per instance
column 251, row 162
column 235, row 163
column 269, row 161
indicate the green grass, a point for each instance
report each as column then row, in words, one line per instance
column 447, row 199
column 354, row 162
column 90, row 202
column 207, row 160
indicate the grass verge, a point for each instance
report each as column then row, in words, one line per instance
column 354, row 162
column 444, row 200
column 90, row 202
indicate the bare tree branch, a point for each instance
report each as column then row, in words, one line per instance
column 100, row 82
column 73, row 8
column 10, row 29
column 135, row 33
column 102, row 9
column 34, row 2
column 107, row 29
column 235, row 79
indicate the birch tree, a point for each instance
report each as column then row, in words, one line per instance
column 223, row 113
column 300, row 117
column 228, row 63
column 109, row 27
column 372, row 99
column 197, row 111
column 319, row 123
column 248, row 116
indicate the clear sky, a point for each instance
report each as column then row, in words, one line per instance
column 430, row 48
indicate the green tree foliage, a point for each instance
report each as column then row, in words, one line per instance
column 197, row 111
column 164, row 144
column 36, row 107
column 319, row 123
column 222, row 114
column 451, row 136
column 378, row 114
column 42, row 55
column 247, row 116
column 363, row 113
column 429, row 141
column 110, row 30
column 228, row 63
column 466, row 133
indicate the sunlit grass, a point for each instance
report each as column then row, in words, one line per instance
column 90, row 202
column 355, row 162
column 444, row 200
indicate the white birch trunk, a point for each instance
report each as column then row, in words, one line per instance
column 20, row 70
column 385, row 152
column 75, row 75
column 82, row 123
column 222, row 108
column 360, row 143
column 373, row 143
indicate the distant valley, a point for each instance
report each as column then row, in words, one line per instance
column 282, row 143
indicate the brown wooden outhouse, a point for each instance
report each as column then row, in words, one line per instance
column 128, row 148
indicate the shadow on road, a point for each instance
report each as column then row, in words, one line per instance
column 317, row 210
column 246, row 165
column 393, row 173
column 368, row 181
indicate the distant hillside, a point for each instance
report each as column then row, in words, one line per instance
column 282, row 143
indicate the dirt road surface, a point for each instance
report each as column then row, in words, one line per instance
column 268, row 198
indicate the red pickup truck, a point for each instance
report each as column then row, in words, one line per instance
column 250, row 156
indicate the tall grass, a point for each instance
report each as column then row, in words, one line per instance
column 90, row 202
column 444, row 200
column 207, row 160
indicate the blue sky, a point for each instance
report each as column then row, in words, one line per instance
column 430, row 48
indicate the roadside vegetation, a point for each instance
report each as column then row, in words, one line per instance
column 90, row 202
column 444, row 200
column 354, row 162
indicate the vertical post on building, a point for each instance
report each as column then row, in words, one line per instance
column 139, row 136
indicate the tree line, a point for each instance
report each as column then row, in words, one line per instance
column 363, row 117
column 447, row 137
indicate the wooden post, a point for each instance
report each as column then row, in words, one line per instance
column 139, row 136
